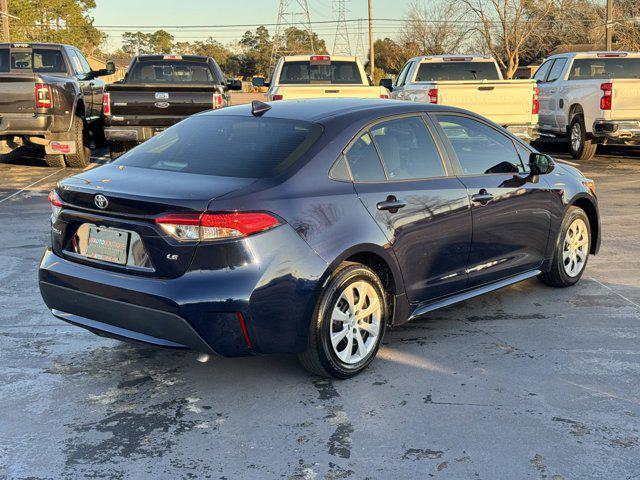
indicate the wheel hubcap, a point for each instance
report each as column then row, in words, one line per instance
column 355, row 322
column 576, row 137
column 575, row 248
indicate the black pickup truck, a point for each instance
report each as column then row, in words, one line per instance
column 157, row 92
column 49, row 97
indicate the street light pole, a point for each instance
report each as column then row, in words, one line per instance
column 372, row 63
column 4, row 11
column 609, row 27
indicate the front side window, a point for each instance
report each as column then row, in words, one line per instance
column 86, row 68
column 407, row 149
column 480, row 148
column 303, row 72
column 226, row 146
column 403, row 74
column 168, row 72
column 556, row 70
column 542, row 71
column 364, row 162
column 604, row 68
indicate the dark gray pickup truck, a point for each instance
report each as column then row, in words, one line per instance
column 49, row 97
column 157, row 92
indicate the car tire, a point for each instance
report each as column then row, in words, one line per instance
column 571, row 251
column 54, row 161
column 117, row 149
column 80, row 133
column 580, row 146
column 352, row 289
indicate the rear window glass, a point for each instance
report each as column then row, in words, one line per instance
column 457, row 71
column 587, row 68
column 227, row 146
column 38, row 60
column 4, row 59
column 304, row 73
column 164, row 71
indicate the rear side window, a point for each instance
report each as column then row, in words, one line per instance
column 227, row 146
column 480, row 148
column 407, row 149
column 602, row 68
column 4, row 60
column 364, row 161
column 38, row 60
column 165, row 71
column 304, row 73
column 431, row 71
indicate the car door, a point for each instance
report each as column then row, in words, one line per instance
column 555, row 92
column 511, row 209
column 399, row 90
column 97, row 87
column 86, row 89
column 422, row 208
column 545, row 114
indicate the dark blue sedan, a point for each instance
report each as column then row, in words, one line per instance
column 310, row 227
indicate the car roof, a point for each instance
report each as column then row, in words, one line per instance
column 596, row 54
column 33, row 45
column 334, row 58
column 443, row 58
column 320, row 110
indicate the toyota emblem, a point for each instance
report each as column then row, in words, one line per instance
column 101, row 201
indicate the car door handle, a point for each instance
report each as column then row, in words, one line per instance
column 482, row 197
column 392, row 204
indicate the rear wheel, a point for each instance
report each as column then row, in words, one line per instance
column 80, row 133
column 349, row 323
column 54, row 161
column 581, row 147
column 572, row 250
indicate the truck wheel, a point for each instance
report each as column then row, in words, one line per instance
column 116, row 149
column 581, row 147
column 54, row 161
column 80, row 133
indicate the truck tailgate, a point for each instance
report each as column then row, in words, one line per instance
column 151, row 100
column 626, row 99
column 505, row 102
column 17, row 93
column 295, row 92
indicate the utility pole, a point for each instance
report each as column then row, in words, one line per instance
column 609, row 27
column 4, row 11
column 372, row 63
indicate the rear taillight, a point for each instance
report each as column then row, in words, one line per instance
column 215, row 226
column 384, row 95
column 607, row 96
column 44, row 99
column 106, row 103
column 433, row 95
column 217, row 101
column 56, row 204
column 535, row 106
column 276, row 97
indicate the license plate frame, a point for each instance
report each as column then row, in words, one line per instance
column 109, row 245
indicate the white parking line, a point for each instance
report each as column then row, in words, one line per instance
column 30, row 185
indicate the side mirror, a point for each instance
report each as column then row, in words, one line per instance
column 387, row 83
column 109, row 70
column 258, row 82
column 540, row 164
column 234, row 84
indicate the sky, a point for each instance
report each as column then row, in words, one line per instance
column 132, row 15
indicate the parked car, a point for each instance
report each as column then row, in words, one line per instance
column 159, row 91
column 474, row 83
column 49, row 97
column 593, row 98
column 310, row 227
column 315, row 76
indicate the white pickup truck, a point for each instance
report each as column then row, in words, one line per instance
column 591, row 97
column 312, row 76
column 474, row 83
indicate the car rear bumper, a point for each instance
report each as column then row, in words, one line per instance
column 526, row 132
column 618, row 130
column 131, row 134
column 24, row 124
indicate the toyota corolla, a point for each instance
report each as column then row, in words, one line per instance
column 310, row 227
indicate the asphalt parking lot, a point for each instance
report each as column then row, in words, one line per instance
column 526, row 383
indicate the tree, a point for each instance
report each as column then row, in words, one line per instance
column 627, row 26
column 298, row 42
column 161, row 41
column 390, row 56
column 506, row 25
column 137, row 43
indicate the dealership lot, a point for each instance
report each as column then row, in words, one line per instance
column 528, row 382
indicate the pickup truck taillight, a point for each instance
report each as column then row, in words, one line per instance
column 384, row 95
column 217, row 101
column 276, row 97
column 44, row 99
column 433, row 95
column 607, row 96
column 106, row 103
column 535, row 106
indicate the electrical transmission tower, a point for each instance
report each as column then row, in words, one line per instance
column 291, row 14
column 361, row 52
column 341, row 44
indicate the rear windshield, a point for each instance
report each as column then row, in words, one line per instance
column 457, row 71
column 227, row 146
column 170, row 71
column 37, row 60
column 336, row 72
column 587, row 68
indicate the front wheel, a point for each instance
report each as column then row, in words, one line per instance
column 581, row 147
column 348, row 325
column 572, row 250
